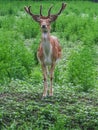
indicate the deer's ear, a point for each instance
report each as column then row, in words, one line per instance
column 36, row 18
column 53, row 18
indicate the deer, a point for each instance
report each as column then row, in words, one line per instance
column 49, row 51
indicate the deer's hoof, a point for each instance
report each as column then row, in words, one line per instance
column 50, row 94
column 44, row 95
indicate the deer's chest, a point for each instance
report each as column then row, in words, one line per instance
column 47, row 51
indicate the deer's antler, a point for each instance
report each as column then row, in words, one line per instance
column 41, row 10
column 35, row 17
column 54, row 16
column 38, row 17
column 27, row 9
column 62, row 8
column 49, row 11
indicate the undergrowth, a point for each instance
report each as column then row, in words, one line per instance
column 75, row 100
column 22, row 107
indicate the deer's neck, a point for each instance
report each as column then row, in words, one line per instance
column 45, row 36
column 46, row 41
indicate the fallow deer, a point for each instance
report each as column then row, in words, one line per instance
column 49, row 50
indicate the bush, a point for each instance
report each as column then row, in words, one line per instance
column 15, row 60
column 80, row 67
column 27, row 27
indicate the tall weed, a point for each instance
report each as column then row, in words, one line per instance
column 15, row 59
column 27, row 27
column 80, row 67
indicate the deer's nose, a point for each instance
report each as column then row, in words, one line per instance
column 43, row 26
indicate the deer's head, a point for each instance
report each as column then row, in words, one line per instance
column 45, row 21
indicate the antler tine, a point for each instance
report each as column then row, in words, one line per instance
column 27, row 9
column 41, row 10
column 62, row 8
column 50, row 10
column 35, row 17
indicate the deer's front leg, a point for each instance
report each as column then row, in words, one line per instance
column 45, row 80
column 51, row 79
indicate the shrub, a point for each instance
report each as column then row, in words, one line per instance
column 34, row 48
column 80, row 67
column 15, row 60
column 27, row 27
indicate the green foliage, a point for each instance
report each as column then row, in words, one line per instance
column 23, row 108
column 35, row 76
column 34, row 48
column 60, row 123
column 74, row 27
column 15, row 59
column 21, row 103
column 80, row 68
column 27, row 27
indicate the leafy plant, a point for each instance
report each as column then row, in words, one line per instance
column 15, row 59
column 80, row 68
column 21, row 102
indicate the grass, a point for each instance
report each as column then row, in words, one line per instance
column 75, row 100
column 22, row 107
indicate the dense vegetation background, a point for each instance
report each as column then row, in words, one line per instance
column 75, row 100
